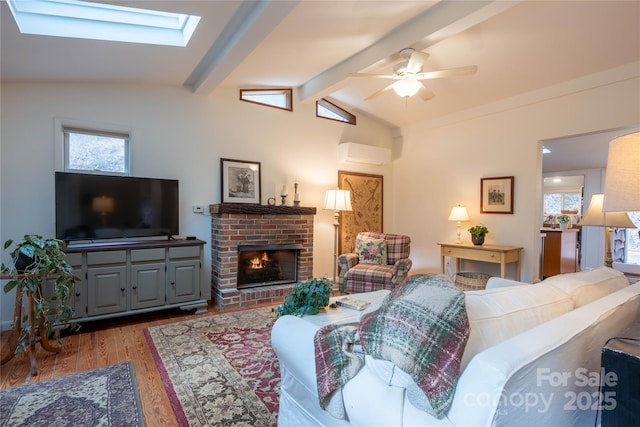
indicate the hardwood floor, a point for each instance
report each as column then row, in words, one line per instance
column 102, row 343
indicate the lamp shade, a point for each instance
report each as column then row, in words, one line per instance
column 459, row 213
column 407, row 87
column 622, row 183
column 337, row 200
column 102, row 204
column 596, row 217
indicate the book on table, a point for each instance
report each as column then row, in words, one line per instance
column 352, row 303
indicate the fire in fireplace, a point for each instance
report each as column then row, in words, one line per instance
column 263, row 265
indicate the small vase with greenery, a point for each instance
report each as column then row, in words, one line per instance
column 563, row 220
column 306, row 297
column 477, row 234
column 34, row 261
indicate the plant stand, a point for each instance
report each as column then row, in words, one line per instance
column 35, row 335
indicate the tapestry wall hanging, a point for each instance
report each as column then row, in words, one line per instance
column 366, row 202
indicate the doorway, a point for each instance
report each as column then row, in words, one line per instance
column 586, row 155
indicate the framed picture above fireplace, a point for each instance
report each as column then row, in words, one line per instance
column 241, row 181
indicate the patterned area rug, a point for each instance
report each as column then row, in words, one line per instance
column 100, row 397
column 219, row 369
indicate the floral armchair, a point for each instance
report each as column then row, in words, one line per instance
column 381, row 261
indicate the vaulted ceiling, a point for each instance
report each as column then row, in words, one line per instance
column 314, row 46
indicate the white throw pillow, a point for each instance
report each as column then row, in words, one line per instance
column 499, row 314
column 587, row 286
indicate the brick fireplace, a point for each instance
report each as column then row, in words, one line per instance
column 234, row 225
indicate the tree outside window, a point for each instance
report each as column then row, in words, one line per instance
column 91, row 152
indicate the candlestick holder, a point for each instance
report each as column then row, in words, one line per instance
column 296, row 196
column 284, row 199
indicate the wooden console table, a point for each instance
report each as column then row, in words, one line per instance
column 502, row 255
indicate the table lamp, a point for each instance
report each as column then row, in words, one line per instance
column 595, row 217
column 622, row 183
column 459, row 214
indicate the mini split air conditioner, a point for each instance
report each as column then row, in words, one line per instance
column 360, row 153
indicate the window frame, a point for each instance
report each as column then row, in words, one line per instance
column 624, row 265
column 562, row 194
column 62, row 128
column 325, row 103
column 287, row 92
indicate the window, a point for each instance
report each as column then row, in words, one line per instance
column 632, row 241
column 92, row 20
column 96, row 151
column 626, row 242
column 328, row 110
column 556, row 202
column 277, row 98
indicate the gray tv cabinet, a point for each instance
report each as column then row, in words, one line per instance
column 123, row 278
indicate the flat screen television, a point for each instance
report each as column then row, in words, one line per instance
column 114, row 207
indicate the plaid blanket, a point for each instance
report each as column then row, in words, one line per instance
column 338, row 359
column 421, row 327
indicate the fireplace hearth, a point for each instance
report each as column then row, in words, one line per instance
column 240, row 228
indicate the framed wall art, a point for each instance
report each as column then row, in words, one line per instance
column 496, row 195
column 366, row 202
column 240, row 181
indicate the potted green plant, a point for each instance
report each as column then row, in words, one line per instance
column 477, row 234
column 306, row 297
column 563, row 220
column 34, row 261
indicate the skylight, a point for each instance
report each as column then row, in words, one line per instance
column 89, row 20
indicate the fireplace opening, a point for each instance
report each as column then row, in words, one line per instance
column 264, row 265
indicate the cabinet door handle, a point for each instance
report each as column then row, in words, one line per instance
column 77, row 294
column 173, row 283
column 122, row 289
column 134, row 287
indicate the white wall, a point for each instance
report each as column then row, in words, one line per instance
column 176, row 134
column 438, row 164
column 444, row 160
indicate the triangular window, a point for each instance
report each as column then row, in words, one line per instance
column 328, row 110
column 277, row 98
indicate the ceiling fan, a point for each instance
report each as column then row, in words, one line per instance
column 408, row 75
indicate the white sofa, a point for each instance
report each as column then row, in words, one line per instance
column 531, row 358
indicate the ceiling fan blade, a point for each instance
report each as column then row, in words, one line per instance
column 380, row 92
column 452, row 72
column 425, row 93
column 378, row 76
column 416, row 60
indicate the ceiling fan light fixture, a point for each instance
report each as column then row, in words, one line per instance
column 407, row 87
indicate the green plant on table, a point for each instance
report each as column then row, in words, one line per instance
column 478, row 230
column 35, row 260
column 563, row 219
column 306, row 297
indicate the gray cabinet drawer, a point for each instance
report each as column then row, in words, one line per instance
column 184, row 252
column 74, row 259
column 106, row 257
column 154, row 254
